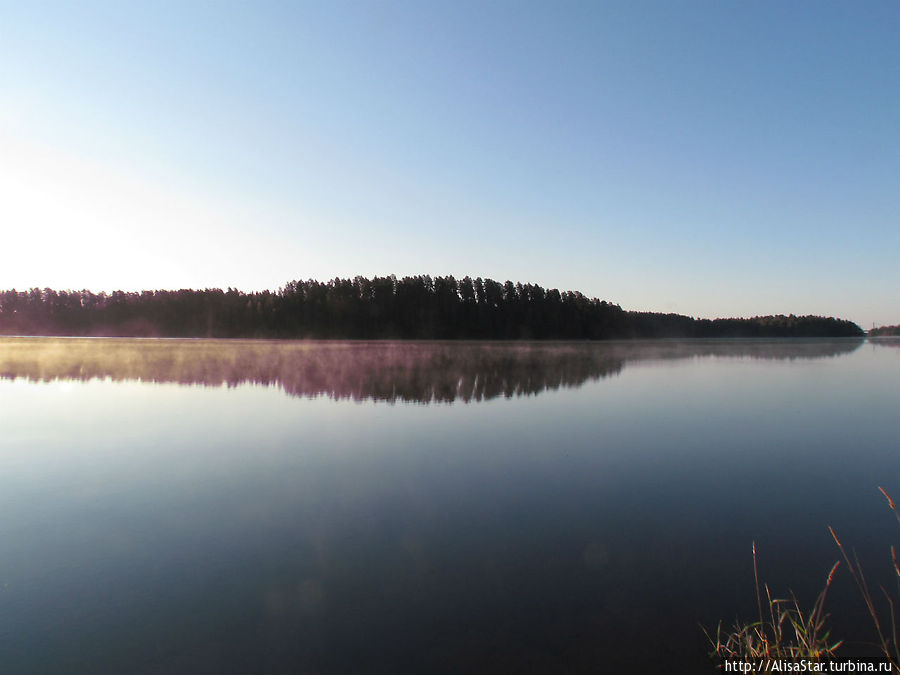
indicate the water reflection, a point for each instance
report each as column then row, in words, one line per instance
column 207, row 530
column 422, row 372
column 886, row 341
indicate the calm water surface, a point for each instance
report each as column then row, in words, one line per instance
column 226, row 507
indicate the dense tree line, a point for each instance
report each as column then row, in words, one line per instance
column 420, row 307
column 885, row 331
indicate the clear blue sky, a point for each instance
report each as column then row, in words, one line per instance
column 710, row 158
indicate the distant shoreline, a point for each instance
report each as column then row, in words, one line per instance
column 885, row 331
column 421, row 307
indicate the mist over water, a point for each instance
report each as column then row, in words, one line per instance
column 166, row 508
column 420, row 371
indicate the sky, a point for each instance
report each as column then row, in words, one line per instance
column 706, row 158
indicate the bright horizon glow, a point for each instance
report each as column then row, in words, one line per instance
column 708, row 159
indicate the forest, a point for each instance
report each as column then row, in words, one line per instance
column 885, row 331
column 418, row 307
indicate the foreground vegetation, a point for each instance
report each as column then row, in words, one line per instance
column 784, row 631
column 420, row 307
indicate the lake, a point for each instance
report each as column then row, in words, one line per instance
column 206, row 506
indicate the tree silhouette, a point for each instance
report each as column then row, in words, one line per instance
column 420, row 307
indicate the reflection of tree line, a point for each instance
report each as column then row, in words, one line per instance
column 390, row 371
column 886, row 340
column 420, row 307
